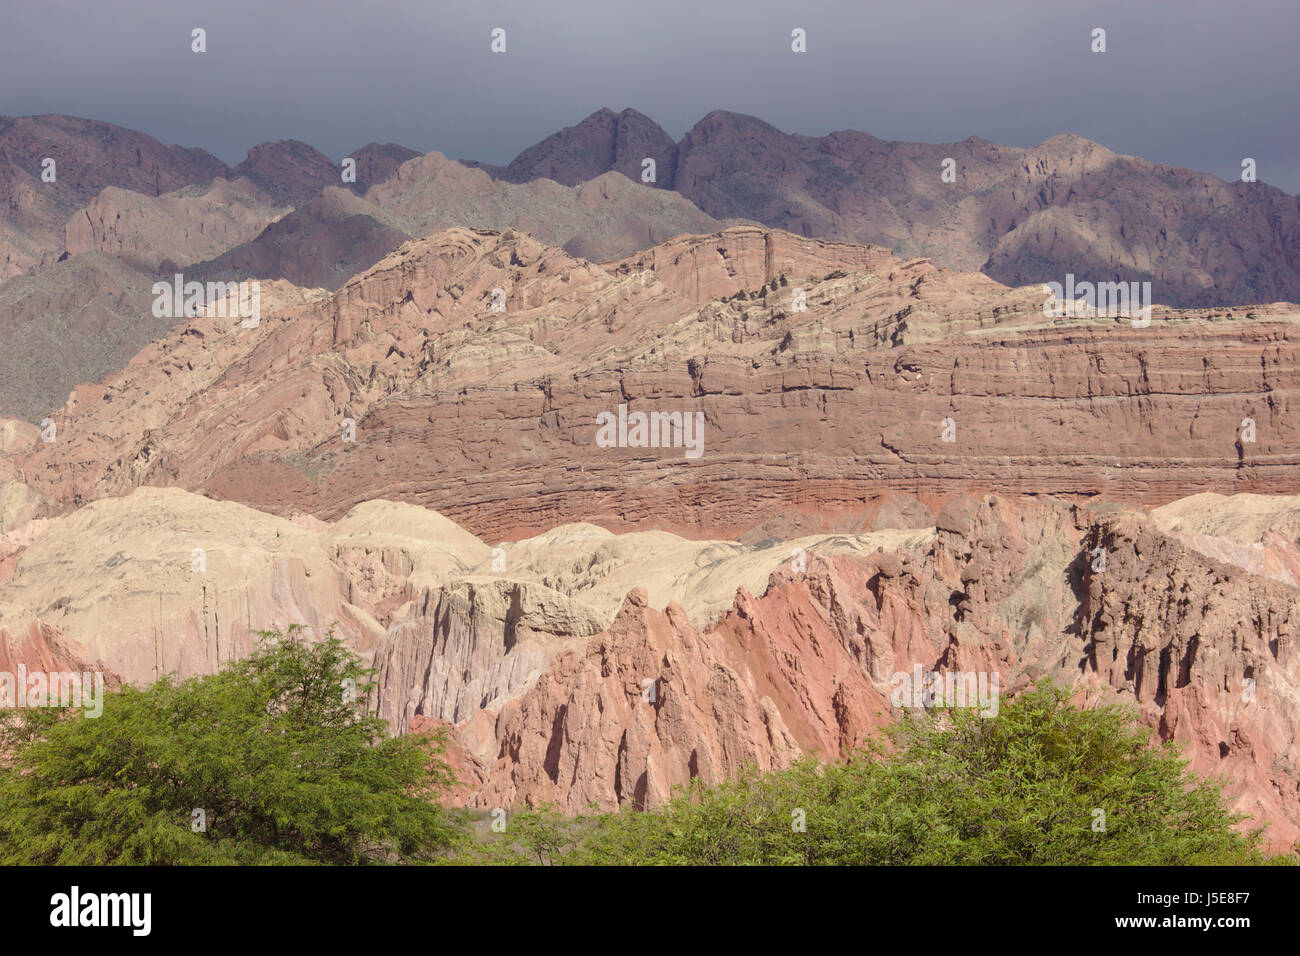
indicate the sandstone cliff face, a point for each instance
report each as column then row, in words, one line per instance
column 472, row 645
column 586, row 735
column 1006, row 587
column 1210, row 656
column 162, row 580
column 166, row 583
column 562, row 684
column 41, row 647
column 806, row 668
column 809, row 416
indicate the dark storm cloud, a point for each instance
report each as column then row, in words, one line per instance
column 1200, row 84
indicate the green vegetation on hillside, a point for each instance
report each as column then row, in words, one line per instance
column 1027, row 787
column 275, row 752
column 275, row 760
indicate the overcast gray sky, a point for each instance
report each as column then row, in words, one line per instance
column 1194, row 83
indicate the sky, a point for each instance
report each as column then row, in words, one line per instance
column 1194, row 83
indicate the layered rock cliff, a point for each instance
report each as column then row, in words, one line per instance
column 826, row 375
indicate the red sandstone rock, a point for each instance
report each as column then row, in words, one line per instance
column 808, row 666
column 814, row 413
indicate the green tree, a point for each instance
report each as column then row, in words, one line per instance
column 542, row 837
column 276, row 751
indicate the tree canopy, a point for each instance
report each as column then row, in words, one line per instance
column 272, row 760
